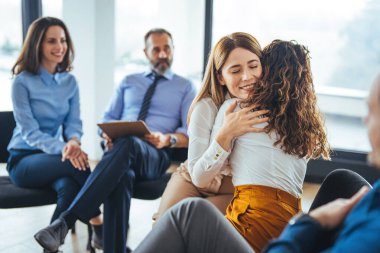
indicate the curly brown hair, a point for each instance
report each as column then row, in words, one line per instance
column 287, row 90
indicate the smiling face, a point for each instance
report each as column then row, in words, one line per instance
column 54, row 48
column 240, row 72
column 372, row 122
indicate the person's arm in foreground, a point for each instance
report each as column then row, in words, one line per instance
column 302, row 235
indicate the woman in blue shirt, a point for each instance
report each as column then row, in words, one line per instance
column 45, row 147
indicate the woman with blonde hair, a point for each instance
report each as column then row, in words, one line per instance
column 238, row 53
column 268, row 168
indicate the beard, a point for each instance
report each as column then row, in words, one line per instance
column 162, row 65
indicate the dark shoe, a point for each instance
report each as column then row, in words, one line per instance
column 97, row 236
column 46, row 251
column 53, row 236
column 129, row 250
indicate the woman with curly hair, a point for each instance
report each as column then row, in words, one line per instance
column 268, row 168
column 238, row 53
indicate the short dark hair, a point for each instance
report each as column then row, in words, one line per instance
column 31, row 52
column 158, row 31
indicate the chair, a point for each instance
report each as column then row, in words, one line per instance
column 153, row 189
column 12, row 196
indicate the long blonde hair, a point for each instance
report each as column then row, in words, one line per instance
column 211, row 86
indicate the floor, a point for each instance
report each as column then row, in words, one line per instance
column 17, row 226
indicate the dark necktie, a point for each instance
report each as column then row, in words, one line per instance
column 148, row 97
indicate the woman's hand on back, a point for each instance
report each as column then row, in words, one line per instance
column 239, row 123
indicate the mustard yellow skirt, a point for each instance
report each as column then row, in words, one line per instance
column 260, row 213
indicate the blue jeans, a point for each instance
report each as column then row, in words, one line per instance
column 41, row 170
column 131, row 159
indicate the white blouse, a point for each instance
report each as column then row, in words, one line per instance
column 207, row 160
column 255, row 161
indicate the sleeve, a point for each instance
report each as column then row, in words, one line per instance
column 115, row 108
column 206, row 157
column 302, row 236
column 359, row 234
column 72, row 124
column 186, row 102
column 361, row 238
column 30, row 129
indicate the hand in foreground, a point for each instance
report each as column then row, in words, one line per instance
column 81, row 161
column 157, row 139
column 107, row 142
column 243, row 121
column 71, row 150
column 239, row 123
column 332, row 214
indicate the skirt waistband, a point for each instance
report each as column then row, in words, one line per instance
column 268, row 192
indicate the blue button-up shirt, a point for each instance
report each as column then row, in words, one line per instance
column 46, row 110
column 169, row 105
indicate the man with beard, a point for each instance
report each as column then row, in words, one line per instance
column 161, row 99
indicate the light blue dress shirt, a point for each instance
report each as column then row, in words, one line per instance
column 46, row 110
column 169, row 105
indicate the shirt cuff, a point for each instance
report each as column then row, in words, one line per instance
column 181, row 130
column 216, row 153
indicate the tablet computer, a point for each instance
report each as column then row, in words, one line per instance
column 116, row 129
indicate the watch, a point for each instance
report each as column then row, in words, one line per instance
column 173, row 140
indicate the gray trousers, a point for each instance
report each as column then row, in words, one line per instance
column 196, row 226
column 193, row 226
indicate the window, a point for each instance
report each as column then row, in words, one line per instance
column 183, row 19
column 10, row 45
column 344, row 48
column 52, row 8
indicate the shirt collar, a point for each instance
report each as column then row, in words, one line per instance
column 48, row 78
column 168, row 74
